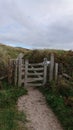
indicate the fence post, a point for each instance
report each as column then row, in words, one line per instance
column 20, row 69
column 51, row 67
column 56, row 71
column 26, row 72
column 45, row 71
column 16, row 72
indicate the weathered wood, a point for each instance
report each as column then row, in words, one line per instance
column 45, row 71
column 16, row 71
column 23, row 66
column 36, row 69
column 56, row 71
column 51, row 67
column 23, row 81
column 37, row 64
column 66, row 76
column 23, row 73
column 34, row 79
column 19, row 70
column 35, row 85
column 35, row 74
column 26, row 71
column 23, row 69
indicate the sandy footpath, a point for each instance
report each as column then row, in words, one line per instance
column 39, row 115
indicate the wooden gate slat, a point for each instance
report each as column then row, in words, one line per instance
column 34, row 74
column 34, row 79
column 37, row 64
column 35, row 85
column 37, row 69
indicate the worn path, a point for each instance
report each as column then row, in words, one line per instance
column 39, row 115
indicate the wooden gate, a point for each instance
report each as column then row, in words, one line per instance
column 35, row 74
column 30, row 74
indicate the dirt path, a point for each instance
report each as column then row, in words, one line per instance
column 39, row 116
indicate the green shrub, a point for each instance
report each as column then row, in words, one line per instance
column 65, row 88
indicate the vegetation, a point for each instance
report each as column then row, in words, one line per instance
column 60, row 99
column 58, row 95
column 10, row 117
column 64, row 58
column 6, row 53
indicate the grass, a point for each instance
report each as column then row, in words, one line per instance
column 10, row 94
column 56, row 102
column 9, row 115
column 64, row 58
column 6, row 53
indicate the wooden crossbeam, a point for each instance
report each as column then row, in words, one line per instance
column 35, row 74
column 37, row 64
column 35, row 85
column 34, row 79
column 36, row 69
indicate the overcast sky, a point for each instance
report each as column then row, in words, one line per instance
column 37, row 23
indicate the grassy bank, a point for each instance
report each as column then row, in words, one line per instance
column 63, row 111
column 6, row 53
column 64, row 58
column 10, row 117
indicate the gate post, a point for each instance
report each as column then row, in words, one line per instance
column 51, row 67
column 20, row 69
column 45, row 71
column 56, row 71
column 26, row 72
column 16, row 72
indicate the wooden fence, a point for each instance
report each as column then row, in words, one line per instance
column 32, row 74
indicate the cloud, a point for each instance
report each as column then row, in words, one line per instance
column 37, row 24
